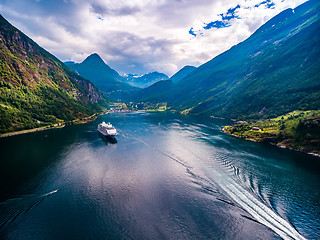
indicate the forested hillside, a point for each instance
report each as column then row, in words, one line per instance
column 274, row 71
column 36, row 88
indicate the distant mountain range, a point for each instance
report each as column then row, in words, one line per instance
column 114, row 86
column 108, row 80
column 145, row 80
column 36, row 88
column 275, row 71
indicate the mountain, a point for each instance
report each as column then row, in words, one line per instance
column 182, row 73
column 130, row 78
column 97, row 71
column 104, row 77
column 161, row 90
column 276, row 70
column 146, row 80
column 103, row 74
column 157, row 92
column 36, row 88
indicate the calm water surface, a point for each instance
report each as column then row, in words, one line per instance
column 166, row 177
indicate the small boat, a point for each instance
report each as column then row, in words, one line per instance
column 107, row 130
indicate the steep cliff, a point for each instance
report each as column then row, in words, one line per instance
column 36, row 88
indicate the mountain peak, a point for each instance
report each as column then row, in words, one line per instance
column 97, row 71
column 94, row 59
column 4, row 21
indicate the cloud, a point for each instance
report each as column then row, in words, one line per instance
column 141, row 36
column 113, row 10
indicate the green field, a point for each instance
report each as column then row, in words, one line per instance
column 299, row 130
column 160, row 107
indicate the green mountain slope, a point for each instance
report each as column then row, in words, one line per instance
column 104, row 77
column 276, row 70
column 182, row 73
column 161, row 90
column 158, row 92
column 37, row 89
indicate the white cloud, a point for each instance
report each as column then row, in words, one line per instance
column 138, row 36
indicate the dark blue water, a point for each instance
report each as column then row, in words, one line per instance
column 166, row 177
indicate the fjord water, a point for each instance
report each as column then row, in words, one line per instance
column 166, row 177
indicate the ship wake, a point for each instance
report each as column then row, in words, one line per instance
column 15, row 207
column 240, row 197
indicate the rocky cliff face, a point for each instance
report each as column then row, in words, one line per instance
column 33, row 65
column 36, row 88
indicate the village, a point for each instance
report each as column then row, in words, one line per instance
column 141, row 106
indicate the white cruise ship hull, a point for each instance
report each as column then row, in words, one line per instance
column 107, row 130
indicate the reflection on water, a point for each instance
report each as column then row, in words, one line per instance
column 108, row 140
column 165, row 176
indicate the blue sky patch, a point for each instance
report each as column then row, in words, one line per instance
column 217, row 24
column 231, row 14
column 225, row 19
column 266, row 3
column 191, row 32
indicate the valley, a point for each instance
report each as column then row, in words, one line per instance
column 159, row 119
column 273, row 72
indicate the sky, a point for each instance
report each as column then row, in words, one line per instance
column 141, row 36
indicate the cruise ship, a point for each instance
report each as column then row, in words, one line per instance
column 107, row 130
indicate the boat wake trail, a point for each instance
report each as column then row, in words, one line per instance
column 247, row 200
column 23, row 204
column 50, row 193
column 252, row 202
column 257, row 209
column 243, row 179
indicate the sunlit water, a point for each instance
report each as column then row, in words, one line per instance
column 166, row 177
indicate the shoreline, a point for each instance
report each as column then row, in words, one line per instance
column 48, row 127
column 55, row 126
column 273, row 144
